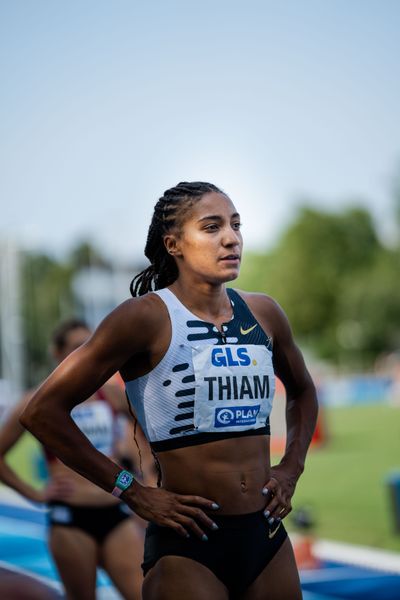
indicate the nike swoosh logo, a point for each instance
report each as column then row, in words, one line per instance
column 246, row 331
column 272, row 533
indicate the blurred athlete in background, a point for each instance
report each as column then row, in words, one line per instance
column 87, row 526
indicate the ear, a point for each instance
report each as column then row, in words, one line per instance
column 172, row 245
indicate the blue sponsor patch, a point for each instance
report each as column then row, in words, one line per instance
column 236, row 416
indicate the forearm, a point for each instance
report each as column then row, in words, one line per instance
column 11, row 479
column 301, row 418
column 54, row 428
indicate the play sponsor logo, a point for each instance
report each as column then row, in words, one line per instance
column 237, row 416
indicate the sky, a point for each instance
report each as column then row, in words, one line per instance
column 104, row 105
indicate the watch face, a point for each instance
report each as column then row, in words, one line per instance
column 125, row 479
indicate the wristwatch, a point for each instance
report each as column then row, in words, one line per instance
column 123, row 481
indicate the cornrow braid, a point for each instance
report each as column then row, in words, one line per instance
column 169, row 213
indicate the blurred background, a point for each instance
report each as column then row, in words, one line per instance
column 292, row 109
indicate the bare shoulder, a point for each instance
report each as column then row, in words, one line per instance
column 266, row 310
column 147, row 309
column 137, row 319
column 130, row 330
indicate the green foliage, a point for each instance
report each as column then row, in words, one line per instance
column 331, row 274
column 46, row 298
column 371, row 308
column 335, row 281
column 86, row 254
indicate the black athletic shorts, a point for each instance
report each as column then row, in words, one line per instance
column 97, row 521
column 236, row 553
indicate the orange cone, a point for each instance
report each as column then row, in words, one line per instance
column 304, row 554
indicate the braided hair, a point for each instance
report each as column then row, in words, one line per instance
column 168, row 214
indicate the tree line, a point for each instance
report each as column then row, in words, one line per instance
column 335, row 278
column 337, row 282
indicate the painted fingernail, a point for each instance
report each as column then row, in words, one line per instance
column 214, row 526
column 265, row 491
column 215, row 506
column 204, row 538
column 271, row 520
column 266, row 514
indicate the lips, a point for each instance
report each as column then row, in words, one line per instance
column 231, row 257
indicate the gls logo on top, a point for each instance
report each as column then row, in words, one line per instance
column 231, row 357
column 240, row 415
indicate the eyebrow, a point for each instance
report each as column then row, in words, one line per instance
column 217, row 217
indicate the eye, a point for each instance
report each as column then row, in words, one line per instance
column 237, row 225
column 211, row 227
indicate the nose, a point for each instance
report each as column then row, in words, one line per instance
column 231, row 237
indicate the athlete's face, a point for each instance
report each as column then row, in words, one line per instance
column 73, row 339
column 209, row 245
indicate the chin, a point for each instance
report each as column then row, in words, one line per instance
column 223, row 277
column 231, row 276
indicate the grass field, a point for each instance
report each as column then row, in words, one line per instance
column 344, row 482
column 24, row 458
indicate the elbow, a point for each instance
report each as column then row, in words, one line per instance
column 24, row 418
column 39, row 417
column 30, row 417
column 312, row 394
column 313, row 391
column 310, row 391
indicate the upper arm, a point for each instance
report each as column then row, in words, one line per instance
column 287, row 358
column 118, row 338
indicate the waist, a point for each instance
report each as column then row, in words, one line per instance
column 224, row 522
column 230, row 473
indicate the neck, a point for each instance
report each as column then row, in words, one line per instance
column 206, row 299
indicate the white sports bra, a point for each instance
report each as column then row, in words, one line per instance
column 210, row 385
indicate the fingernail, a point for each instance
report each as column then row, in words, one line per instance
column 266, row 514
column 265, row 491
column 204, row 538
column 215, row 506
column 214, row 526
column 271, row 520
